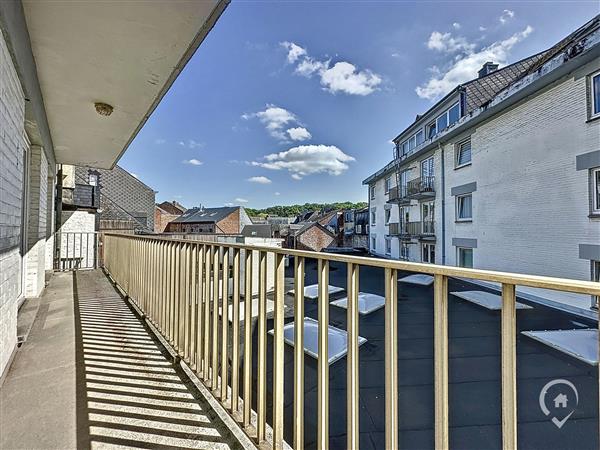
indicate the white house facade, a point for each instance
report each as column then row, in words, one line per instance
column 504, row 172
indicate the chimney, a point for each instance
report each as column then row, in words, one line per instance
column 487, row 68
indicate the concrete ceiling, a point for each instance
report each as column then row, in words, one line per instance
column 123, row 53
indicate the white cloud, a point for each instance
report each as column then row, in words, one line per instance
column 456, row 25
column 190, row 143
column 193, row 162
column 294, row 51
column 277, row 193
column 298, row 134
column 464, row 68
column 446, row 43
column 160, row 141
column 241, row 200
column 275, row 119
column 342, row 77
column 259, row 180
column 482, row 28
column 229, row 204
column 506, row 15
column 307, row 160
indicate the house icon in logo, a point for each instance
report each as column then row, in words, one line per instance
column 560, row 401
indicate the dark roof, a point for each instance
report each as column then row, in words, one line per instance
column 172, row 207
column 257, row 230
column 205, row 215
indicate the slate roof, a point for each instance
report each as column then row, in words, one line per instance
column 171, row 207
column 257, row 230
column 205, row 215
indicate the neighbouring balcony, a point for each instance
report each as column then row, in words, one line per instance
column 399, row 195
column 422, row 370
column 82, row 196
column 411, row 229
column 422, row 187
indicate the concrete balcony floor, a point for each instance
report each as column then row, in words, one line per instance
column 90, row 375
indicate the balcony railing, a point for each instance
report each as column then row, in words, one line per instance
column 427, row 228
column 421, row 187
column 180, row 285
column 398, row 194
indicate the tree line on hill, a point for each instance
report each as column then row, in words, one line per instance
column 294, row 210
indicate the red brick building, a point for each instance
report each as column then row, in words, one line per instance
column 225, row 220
column 166, row 212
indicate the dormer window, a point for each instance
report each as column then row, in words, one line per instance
column 444, row 120
column 431, row 130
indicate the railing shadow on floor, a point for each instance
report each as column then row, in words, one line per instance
column 128, row 391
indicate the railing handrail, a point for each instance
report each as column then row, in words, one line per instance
column 536, row 281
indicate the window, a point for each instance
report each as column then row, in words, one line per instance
column 595, row 94
column 388, row 246
column 596, row 278
column 463, row 153
column 595, row 190
column 428, row 253
column 404, row 251
column 465, row 257
column 431, row 130
column 374, row 243
column 453, row 114
column 427, row 168
column 388, row 184
column 93, row 179
column 372, row 189
column 373, row 216
column 388, row 215
column 413, row 142
column 358, row 229
column 427, row 218
column 464, row 207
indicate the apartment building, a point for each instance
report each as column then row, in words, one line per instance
column 503, row 172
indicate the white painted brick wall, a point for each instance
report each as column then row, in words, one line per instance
column 12, row 121
column 531, row 207
column 36, row 226
column 530, row 210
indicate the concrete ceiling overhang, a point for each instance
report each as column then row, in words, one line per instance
column 122, row 53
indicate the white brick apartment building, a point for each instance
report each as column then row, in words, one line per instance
column 504, row 172
column 72, row 91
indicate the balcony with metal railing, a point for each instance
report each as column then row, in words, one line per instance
column 426, row 370
column 399, row 195
column 421, row 188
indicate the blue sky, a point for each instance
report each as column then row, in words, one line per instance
column 293, row 102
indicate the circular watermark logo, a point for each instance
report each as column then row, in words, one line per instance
column 562, row 400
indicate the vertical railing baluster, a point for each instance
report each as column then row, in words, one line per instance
column 193, row 304
column 323, row 357
column 247, row 337
column 391, row 358
column 235, row 334
column 262, row 347
column 215, row 321
column 298, row 352
column 440, row 333
column 200, row 311
column 208, row 253
column 509, row 368
column 224, row 324
column 352, row 393
column 187, row 288
column 278, row 351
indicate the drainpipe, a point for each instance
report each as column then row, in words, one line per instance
column 443, row 183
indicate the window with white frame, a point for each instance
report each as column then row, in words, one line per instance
column 373, row 216
column 595, row 94
column 427, row 168
column 373, row 243
column 388, row 184
column 404, row 251
column 413, row 142
column 444, row 120
column 464, row 257
column 595, row 190
column 372, row 189
column 428, row 253
column 388, row 215
column 463, row 153
column 93, row 179
column 464, row 207
column 388, row 246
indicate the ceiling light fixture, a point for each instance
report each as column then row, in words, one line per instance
column 103, row 109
